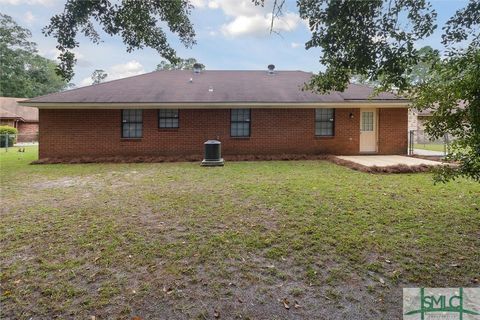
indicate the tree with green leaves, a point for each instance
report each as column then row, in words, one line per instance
column 452, row 90
column 428, row 57
column 23, row 72
column 181, row 64
column 137, row 22
column 98, row 76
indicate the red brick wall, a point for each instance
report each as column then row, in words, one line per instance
column 27, row 131
column 393, row 131
column 73, row 133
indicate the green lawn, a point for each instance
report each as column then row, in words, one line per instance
column 430, row 146
column 177, row 241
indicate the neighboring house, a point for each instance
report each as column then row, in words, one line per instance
column 417, row 119
column 173, row 113
column 25, row 119
column 417, row 124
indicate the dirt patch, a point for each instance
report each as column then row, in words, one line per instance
column 61, row 183
column 95, row 181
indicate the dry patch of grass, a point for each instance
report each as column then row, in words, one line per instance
column 176, row 240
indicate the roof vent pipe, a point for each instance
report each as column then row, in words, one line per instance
column 197, row 68
column 271, row 68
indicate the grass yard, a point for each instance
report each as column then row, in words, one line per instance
column 431, row 147
column 177, row 241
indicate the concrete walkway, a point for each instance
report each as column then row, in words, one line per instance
column 386, row 161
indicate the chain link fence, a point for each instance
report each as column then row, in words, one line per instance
column 18, row 140
column 421, row 143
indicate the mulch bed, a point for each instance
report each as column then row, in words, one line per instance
column 401, row 168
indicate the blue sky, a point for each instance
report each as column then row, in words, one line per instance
column 231, row 34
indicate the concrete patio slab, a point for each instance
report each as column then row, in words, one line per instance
column 386, row 161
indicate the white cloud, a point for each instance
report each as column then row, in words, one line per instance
column 119, row 71
column 245, row 18
column 131, row 68
column 244, row 25
column 287, row 22
column 28, row 17
column 85, row 82
column 213, row 5
column 259, row 25
column 295, row 45
column 235, row 8
column 46, row 3
column 198, row 3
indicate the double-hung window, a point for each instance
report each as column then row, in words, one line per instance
column 168, row 118
column 324, row 122
column 240, row 123
column 132, row 123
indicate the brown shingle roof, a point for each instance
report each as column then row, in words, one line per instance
column 225, row 86
column 10, row 109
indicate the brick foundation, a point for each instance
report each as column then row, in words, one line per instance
column 97, row 133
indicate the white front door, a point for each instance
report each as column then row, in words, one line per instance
column 368, row 130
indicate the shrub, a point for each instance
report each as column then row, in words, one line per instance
column 12, row 134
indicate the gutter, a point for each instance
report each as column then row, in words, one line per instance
column 216, row 105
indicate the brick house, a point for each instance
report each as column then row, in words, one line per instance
column 171, row 113
column 25, row 119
